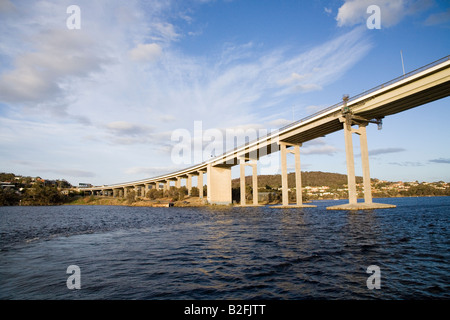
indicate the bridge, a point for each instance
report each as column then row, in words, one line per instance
column 352, row 115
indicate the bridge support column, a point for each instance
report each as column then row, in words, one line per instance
column 200, row 184
column 365, row 163
column 219, row 185
column 178, row 183
column 189, row 183
column 298, row 176
column 284, row 177
column 242, row 180
column 253, row 164
column 255, row 182
column 351, row 180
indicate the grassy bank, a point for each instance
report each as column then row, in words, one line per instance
column 110, row 201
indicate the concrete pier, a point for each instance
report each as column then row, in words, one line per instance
column 200, row 183
column 284, row 178
column 253, row 164
column 189, row 183
column 348, row 119
column 219, row 184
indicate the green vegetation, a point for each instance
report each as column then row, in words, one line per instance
column 175, row 194
column 41, row 195
column 9, row 197
column 309, row 178
column 131, row 196
column 36, row 195
column 410, row 189
column 29, row 191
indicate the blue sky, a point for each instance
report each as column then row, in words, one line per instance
column 99, row 104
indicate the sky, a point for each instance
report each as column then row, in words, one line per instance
column 100, row 95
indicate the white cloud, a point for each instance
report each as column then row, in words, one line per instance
column 70, row 173
column 146, row 52
column 385, row 150
column 407, row 164
column 164, row 31
column 279, row 123
column 318, row 146
column 167, row 118
column 127, row 128
column 307, row 87
column 293, row 78
column 438, row 18
column 299, row 83
column 321, row 65
column 313, row 109
column 43, row 168
column 151, row 171
column 40, row 74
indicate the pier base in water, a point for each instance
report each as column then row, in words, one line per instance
column 361, row 206
column 293, row 206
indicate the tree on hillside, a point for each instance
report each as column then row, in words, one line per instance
column 194, row 192
column 41, row 195
column 9, row 197
column 131, row 196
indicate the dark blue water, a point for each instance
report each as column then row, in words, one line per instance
column 234, row 253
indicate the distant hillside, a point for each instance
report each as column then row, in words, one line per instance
column 309, row 178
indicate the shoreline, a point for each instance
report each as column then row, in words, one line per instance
column 187, row 202
column 163, row 202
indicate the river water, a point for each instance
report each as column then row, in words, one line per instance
column 226, row 253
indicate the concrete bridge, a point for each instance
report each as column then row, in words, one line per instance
column 352, row 115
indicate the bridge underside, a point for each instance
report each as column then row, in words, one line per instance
column 332, row 123
column 411, row 101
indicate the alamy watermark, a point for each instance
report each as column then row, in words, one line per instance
column 373, row 281
column 74, row 280
column 374, row 20
column 73, row 22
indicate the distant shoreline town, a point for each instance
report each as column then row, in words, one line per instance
column 21, row 190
